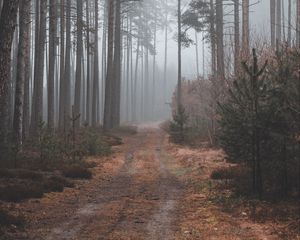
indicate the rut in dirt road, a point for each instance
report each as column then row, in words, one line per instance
column 137, row 203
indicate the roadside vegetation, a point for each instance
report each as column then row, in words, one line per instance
column 256, row 124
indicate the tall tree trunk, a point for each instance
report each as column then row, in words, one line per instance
column 62, row 65
column 283, row 21
column 116, row 91
column 220, row 41
column 179, row 102
column 8, row 21
column 104, row 58
column 213, row 38
column 246, row 33
column 165, row 54
column 96, row 70
column 78, row 75
column 88, row 65
column 273, row 22
column 127, row 97
column 27, row 59
column 236, row 37
column 298, row 24
column 52, row 61
column 289, row 38
column 278, row 23
column 67, row 70
column 134, row 106
column 153, row 95
column 1, row 4
column 197, row 54
column 107, row 123
column 13, row 76
column 37, row 101
column 24, row 22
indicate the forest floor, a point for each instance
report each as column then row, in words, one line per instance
column 150, row 189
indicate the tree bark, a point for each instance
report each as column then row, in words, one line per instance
column 107, row 122
column 179, row 102
column 212, row 38
column 26, row 108
column 197, row 54
column 278, row 22
column 52, row 60
column 116, row 90
column 24, row 23
column 220, row 41
column 245, row 37
column 88, row 65
column 7, row 27
column 96, row 70
column 67, row 70
column 37, row 101
column 78, row 75
column 298, row 24
column 62, row 65
column 273, row 22
column 289, row 38
column 165, row 53
column 236, row 37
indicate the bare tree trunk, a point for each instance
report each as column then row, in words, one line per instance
column 278, row 22
column 298, row 24
column 273, row 22
column 245, row 37
column 197, row 53
column 134, row 105
column 213, row 38
column 26, row 108
column 179, row 102
column 88, row 66
column 1, row 4
column 116, row 90
column 289, row 38
column 37, row 101
column 283, row 21
column 7, row 27
column 236, row 37
column 24, row 23
column 165, row 54
column 153, row 95
column 107, row 123
column 67, row 70
column 79, row 52
column 104, row 58
column 127, row 105
column 220, row 41
column 11, row 95
column 52, row 61
column 96, row 70
column 62, row 65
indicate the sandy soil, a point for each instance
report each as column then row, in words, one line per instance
column 149, row 189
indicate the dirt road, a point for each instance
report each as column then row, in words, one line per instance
column 132, row 196
column 148, row 189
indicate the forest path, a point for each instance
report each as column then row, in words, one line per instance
column 133, row 195
column 148, row 189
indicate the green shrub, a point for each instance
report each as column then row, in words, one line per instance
column 93, row 143
column 178, row 126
